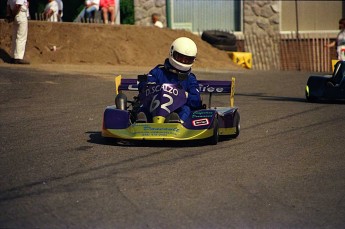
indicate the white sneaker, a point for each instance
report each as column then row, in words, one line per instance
column 174, row 118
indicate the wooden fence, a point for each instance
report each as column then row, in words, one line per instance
column 310, row 53
column 265, row 51
column 307, row 52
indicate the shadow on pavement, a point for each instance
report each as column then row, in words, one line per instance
column 5, row 56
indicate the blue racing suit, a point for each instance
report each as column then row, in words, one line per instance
column 168, row 74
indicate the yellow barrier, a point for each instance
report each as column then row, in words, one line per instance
column 243, row 59
column 333, row 63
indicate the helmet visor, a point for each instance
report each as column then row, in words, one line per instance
column 183, row 58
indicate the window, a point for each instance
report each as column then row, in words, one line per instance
column 201, row 15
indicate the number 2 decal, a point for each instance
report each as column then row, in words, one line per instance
column 165, row 105
column 155, row 103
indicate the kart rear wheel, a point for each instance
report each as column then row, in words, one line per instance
column 215, row 138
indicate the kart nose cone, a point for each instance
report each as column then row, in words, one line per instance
column 158, row 119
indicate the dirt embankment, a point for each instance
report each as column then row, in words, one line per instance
column 98, row 44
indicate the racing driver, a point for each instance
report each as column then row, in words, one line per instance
column 177, row 69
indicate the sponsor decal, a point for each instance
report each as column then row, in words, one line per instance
column 201, row 122
column 208, row 88
column 203, row 114
column 219, row 89
column 149, row 128
column 157, row 131
column 165, row 87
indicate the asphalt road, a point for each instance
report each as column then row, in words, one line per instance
column 285, row 170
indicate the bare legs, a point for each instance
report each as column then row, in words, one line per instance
column 106, row 11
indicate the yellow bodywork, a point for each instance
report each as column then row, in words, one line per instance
column 157, row 131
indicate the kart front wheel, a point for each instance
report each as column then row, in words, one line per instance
column 307, row 95
column 237, row 125
column 215, row 137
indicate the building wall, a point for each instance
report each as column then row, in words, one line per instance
column 143, row 9
column 323, row 16
column 262, row 27
column 261, row 17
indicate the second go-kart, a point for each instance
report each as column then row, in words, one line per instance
column 120, row 121
column 327, row 87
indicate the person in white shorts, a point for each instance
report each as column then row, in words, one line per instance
column 60, row 12
column 155, row 20
column 51, row 11
column 18, row 12
column 340, row 41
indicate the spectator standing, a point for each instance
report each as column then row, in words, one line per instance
column 17, row 11
column 156, row 20
column 60, row 12
column 108, row 7
column 339, row 43
column 91, row 6
column 51, row 11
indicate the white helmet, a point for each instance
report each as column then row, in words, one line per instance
column 182, row 53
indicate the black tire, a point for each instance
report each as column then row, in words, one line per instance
column 230, row 48
column 309, row 98
column 215, row 137
column 216, row 37
column 315, row 84
column 237, row 124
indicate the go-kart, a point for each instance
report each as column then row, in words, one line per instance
column 120, row 121
column 327, row 87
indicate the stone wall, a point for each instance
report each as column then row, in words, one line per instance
column 261, row 17
column 145, row 8
column 261, row 29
